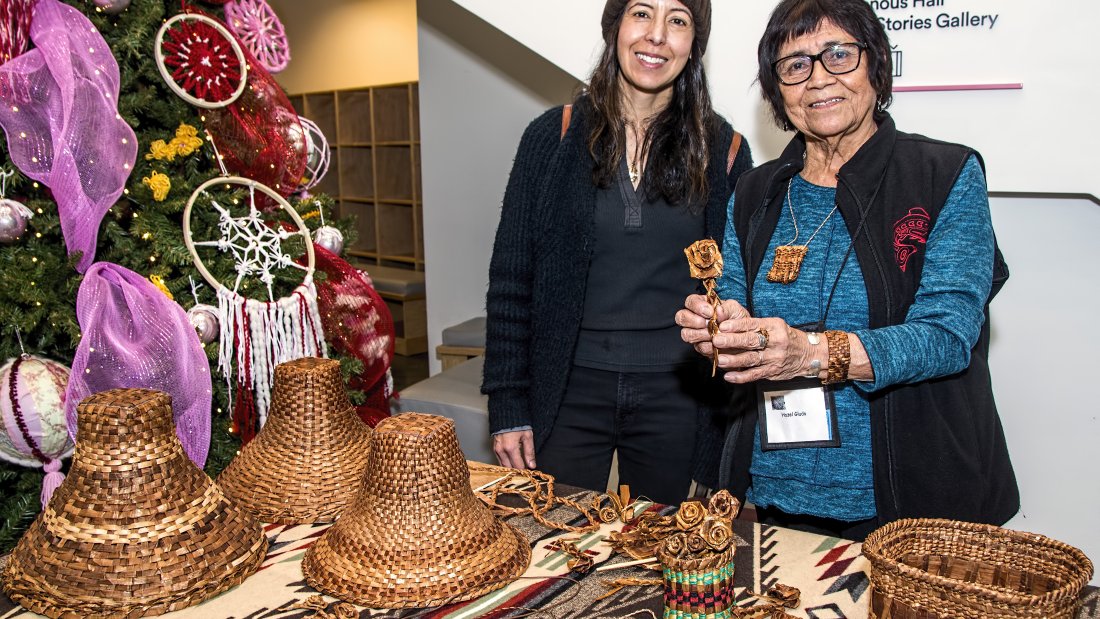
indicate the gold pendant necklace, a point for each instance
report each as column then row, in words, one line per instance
column 788, row 258
column 633, row 165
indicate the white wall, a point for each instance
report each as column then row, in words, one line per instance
column 1045, row 345
column 338, row 44
column 1043, row 361
column 1032, row 44
column 478, row 91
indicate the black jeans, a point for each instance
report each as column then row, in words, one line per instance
column 651, row 419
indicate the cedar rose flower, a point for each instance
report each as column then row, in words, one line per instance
column 724, row 505
column 704, row 259
column 696, row 542
column 787, row 595
column 717, row 533
column 689, row 516
column 675, row 544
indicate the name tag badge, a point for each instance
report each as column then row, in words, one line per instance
column 796, row 413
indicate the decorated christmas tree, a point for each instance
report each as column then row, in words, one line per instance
column 192, row 86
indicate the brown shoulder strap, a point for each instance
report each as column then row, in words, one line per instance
column 566, row 114
column 735, row 146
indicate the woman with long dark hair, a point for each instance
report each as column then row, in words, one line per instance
column 583, row 358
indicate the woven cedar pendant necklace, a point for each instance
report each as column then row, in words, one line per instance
column 788, row 257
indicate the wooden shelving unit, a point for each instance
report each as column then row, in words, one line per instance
column 374, row 134
column 374, row 174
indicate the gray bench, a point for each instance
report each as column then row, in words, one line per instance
column 461, row 342
column 455, row 394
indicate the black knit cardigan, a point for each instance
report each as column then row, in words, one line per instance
column 539, row 266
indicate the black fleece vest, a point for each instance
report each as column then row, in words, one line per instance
column 938, row 448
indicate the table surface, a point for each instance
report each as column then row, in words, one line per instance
column 831, row 574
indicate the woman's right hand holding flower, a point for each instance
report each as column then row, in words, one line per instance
column 695, row 315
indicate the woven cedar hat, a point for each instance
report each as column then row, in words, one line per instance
column 306, row 463
column 416, row 535
column 136, row 528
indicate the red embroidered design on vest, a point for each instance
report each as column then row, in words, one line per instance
column 909, row 231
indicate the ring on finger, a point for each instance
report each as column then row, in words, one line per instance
column 760, row 359
column 762, row 334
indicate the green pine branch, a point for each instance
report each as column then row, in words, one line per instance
column 39, row 288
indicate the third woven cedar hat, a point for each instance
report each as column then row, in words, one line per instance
column 306, row 463
column 416, row 535
column 136, row 528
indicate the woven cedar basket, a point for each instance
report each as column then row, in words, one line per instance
column 698, row 587
column 136, row 528
column 415, row 535
column 306, row 463
column 931, row 569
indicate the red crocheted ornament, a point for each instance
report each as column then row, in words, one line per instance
column 201, row 60
column 357, row 323
column 259, row 135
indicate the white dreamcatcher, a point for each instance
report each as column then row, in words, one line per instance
column 257, row 335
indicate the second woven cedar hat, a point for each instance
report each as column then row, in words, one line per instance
column 306, row 463
column 416, row 535
column 136, row 528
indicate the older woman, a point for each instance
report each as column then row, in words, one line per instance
column 583, row 358
column 859, row 269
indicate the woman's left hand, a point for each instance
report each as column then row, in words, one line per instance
column 752, row 349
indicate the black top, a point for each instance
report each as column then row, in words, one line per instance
column 637, row 281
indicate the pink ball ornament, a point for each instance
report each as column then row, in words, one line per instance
column 205, row 320
column 112, row 7
column 32, row 406
column 13, row 220
column 329, row 238
column 311, row 140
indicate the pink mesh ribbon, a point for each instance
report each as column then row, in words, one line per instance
column 357, row 323
column 259, row 135
column 59, row 108
column 134, row 336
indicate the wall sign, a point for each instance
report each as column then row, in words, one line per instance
column 981, row 52
column 946, row 44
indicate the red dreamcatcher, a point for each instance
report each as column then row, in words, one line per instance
column 201, row 61
column 255, row 128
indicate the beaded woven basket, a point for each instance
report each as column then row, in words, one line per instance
column 306, row 463
column 136, row 528
column 933, row 569
column 698, row 587
column 415, row 535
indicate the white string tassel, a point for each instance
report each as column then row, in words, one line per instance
column 284, row 330
column 229, row 318
column 281, row 331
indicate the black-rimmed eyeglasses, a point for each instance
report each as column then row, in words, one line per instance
column 837, row 59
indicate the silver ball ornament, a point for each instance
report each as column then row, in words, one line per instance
column 13, row 220
column 112, row 7
column 205, row 320
column 329, row 238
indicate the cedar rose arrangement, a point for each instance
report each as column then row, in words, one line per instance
column 702, row 531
